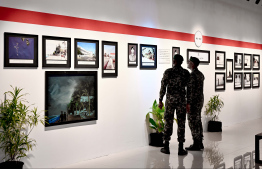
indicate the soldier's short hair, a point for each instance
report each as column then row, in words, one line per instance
column 195, row 60
column 179, row 59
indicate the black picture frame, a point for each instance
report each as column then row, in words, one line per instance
column 69, row 84
column 175, row 50
column 238, row 163
column 20, row 50
column 238, row 80
column 132, row 59
column 148, row 56
column 247, row 61
column 220, row 81
column 109, row 59
column 202, row 55
column 86, row 53
column 247, row 80
column 229, row 70
column 256, row 80
column 52, row 56
column 238, row 61
column 220, row 60
column 247, row 160
column 256, row 62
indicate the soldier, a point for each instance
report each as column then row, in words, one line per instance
column 175, row 80
column 195, row 101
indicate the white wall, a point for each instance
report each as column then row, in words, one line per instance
column 124, row 101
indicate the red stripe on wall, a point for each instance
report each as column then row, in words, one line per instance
column 40, row 18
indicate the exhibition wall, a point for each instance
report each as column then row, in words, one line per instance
column 124, row 101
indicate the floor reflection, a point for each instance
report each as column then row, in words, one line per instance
column 213, row 155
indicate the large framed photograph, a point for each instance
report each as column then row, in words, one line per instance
column 247, row 160
column 256, row 62
column 229, row 70
column 220, row 81
column 238, row 162
column 247, row 80
column 202, row 55
column 70, row 96
column 238, row 80
column 109, row 59
column 132, row 54
column 148, row 56
column 255, row 80
column 20, row 50
column 175, row 50
column 238, row 61
column 86, row 53
column 56, row 51
column 247, row 61
column 220, row 59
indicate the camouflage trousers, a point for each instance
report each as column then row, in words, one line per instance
column 195, row 123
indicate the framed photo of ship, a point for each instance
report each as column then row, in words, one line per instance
column 229, row 70
column 20, row 50
column 86, row 53
column 70, row 96
column 175, row 50
column 202, row 55
column 56, row 52
column 238, row 61
column 255, row 80
column 220, row 81
column 238, row 80
column 247, row 61
column 109, row 59
column 220, row 59
column 247, row 80
column 148, row 56
column 256, row 62
column 132, row 54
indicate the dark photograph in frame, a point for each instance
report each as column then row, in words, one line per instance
column 20, row 50
column 247, row 61
column 202, row 55
column 229, row 70
column 238, row 80
column 86, row 53
column 219, row 81
column 109, row 59
column 132, row 54
column 238, row 57
column 256, row 62
column 56, row 52
column 247, row 80
column 148, row 56
column 220, row 59
column 238, row 162
column 255, row 80
column 70, row 97
column 175, row 50
column 247, row 160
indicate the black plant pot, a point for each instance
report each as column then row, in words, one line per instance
column 214, row 126
column 156, row 139
column 12, row 165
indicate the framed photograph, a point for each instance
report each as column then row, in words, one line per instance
column 256, row 62
column 238, row 61
column 255, row 80
column 229, row 70
column 132, row 54
column 148, row 56
column 253, row 159
column 238, row 80
column 109, row 59
column 247, row 61
column 86, row 53
column 247, row 160
column 175, row 50
column 20, row 50
column 202, row 55
column 238, row 162
column 247, row 80
column 56, row 52
column 220, row 59
column 220, row 166
column 70, row 96
column 220, row 81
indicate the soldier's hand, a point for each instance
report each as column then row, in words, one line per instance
column 188, row 108
column 160, row 105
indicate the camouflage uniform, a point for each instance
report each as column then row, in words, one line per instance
column 195, row 98
column 175, row 79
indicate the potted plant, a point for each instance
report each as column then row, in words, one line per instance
column 17, row 121
column 213, row 108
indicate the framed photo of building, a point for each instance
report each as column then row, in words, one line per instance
column 247, row 80
column 148, row 56
column 220, row 81
column 56, row 52
column 220, row 59
column 238, row 80
column 132, row 54
column 109, row 59
column 255, row 80
column 256, row 62
column 247, row 61
column 86, row 53
column 202, row 55
column 229, row 70
column 238, row 162
column 247, row 160
column 238, row 61
column 20, row 50
column 70, row 97
column 175, row 50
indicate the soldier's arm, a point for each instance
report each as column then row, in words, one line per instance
column 163, row 86
column 190, row 89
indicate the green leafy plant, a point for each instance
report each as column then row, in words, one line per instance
column 17, row 121
column 213, row 107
